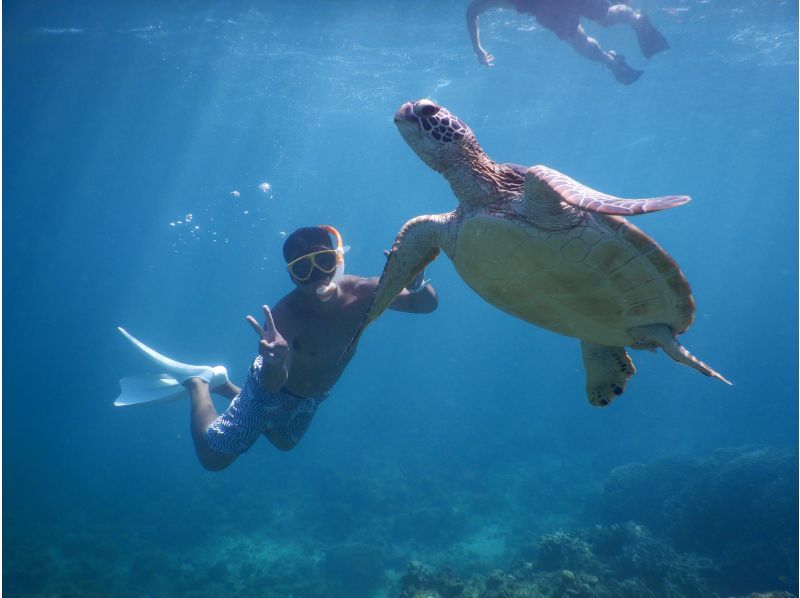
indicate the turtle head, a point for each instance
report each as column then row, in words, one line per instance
column 441, row 139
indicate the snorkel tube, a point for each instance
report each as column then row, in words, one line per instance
column 326, row 292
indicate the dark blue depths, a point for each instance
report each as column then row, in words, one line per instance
column 155, row 153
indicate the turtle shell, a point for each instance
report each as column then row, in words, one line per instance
column 592, row 282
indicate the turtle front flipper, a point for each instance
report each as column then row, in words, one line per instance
column 417, row 245
column 545, row 186
column 608, row 370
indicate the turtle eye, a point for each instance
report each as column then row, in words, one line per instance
column 425, row 108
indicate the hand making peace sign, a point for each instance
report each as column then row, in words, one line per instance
column 272, row 346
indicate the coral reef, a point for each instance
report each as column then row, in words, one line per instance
column 619, row 561
column 736, row 506
column 720, row 526
column 680, row 527
column 420, row 581
column 616, row 561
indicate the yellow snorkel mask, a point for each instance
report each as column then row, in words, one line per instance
column 326, row 292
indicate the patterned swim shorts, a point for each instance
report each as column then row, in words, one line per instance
column 254, row 411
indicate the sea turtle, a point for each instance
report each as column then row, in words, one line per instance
column 546, row 249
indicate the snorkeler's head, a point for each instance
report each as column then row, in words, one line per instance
column 312, row 260
column 305, row 240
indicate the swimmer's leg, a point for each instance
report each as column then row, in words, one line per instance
column 203, row 414
column 227, row 390
column 650, row 39
column 588, row 47
column 280, row 440
column 289, row 420
column 619, row 13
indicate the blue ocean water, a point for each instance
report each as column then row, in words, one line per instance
column 155, row 154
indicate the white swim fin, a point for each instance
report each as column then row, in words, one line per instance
column 158, row 389
column 167, row 387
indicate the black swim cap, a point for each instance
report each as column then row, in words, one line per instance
column 304, row 240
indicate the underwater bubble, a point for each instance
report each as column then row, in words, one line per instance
column 235, row 193
column 188, row 217
column 172, row 224
column 246, row 212
column 265, row 187
column 282, row 234
column 63, row 30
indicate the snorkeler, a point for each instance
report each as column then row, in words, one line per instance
column 300, row 355
column 562, row 17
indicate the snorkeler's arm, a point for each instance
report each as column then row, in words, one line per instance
column 274, row 351
column 474, row 10
column 420, row 299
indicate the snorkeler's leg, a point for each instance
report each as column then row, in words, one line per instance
column 203, row 413
column 588, row 47
column 620, row 13
column 227, row 390
column 279, row 440
column 289, row 419
column 651, row 41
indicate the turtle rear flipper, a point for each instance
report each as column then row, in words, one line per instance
column 661, row 335
column 608, row 370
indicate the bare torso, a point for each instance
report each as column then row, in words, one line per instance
column 318, row 333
